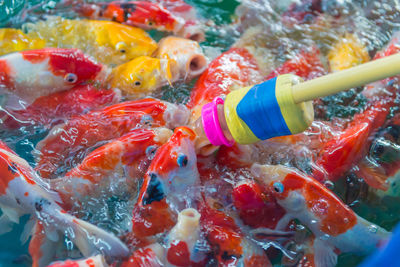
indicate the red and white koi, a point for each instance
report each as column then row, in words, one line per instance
column 141, row 14
column 31, row 74
column 122, row 162
column 22, row 192
column 335, row 225
column 60, row 106
column 94, row 261
column 192, row 29
column 84, row 131
column 149, row 256
column 171, row 175
column 229, row 244
column 187, row 53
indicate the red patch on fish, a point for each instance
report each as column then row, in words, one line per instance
column 142, row 257
column 63, row 61
column 5, row 75
column 335, row 217
column 306, row 64
column 152, row 219
column 256, row 207
column 178, row 254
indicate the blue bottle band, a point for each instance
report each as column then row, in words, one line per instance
column 260, row 110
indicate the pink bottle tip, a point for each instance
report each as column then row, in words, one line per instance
column 211, row 125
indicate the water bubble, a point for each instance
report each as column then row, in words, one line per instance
column 373, row 228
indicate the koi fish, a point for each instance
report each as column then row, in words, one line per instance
column 181, row 240
column 348, row 147
column 229, row 244
column 187, row 53
column 85, row 131
column 335, row 225
column 141, row 14
column 256, row 206
column 347, row 52
column 94, row 261
column 143, row 75
column 108, row 42
column 149, row 256
column 306, row 64
column 22, row 192
column 14, row 40
column 60, row 106
column 170, row 176
column 192, row 28
column 31, row 74
column 122, row 161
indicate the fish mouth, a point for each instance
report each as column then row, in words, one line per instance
column 196, row 64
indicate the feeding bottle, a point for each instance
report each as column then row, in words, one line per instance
column 282, row 105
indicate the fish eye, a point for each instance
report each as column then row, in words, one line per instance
column 182, row 160
column 70, row 78
column 137, row 83
column 150, row 23
column 121, row 47
column 278, row 187
column 151, row 150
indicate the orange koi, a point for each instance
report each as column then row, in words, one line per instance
column 85, row 131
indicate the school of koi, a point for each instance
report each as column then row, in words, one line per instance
column 93, row 83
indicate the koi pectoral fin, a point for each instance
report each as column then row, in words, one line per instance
column 5, row 224
column 324, row 255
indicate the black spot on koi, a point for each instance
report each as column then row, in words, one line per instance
column 155, row 191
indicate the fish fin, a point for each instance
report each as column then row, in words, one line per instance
column 90, row 238
column 284, row 222
column 5, row 224
column 11, row 213
column 41, row 249
column 324, row 254
column 28, row 230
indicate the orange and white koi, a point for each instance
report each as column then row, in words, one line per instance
column 22, row 192
column 94, row 261
column 171, row 175
column 141, row 14
column 187, row 53
column 122, row 162
column 229, row 244
column 60, row 106
column 84, row 131
column 335, row 225
column 31, row 74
